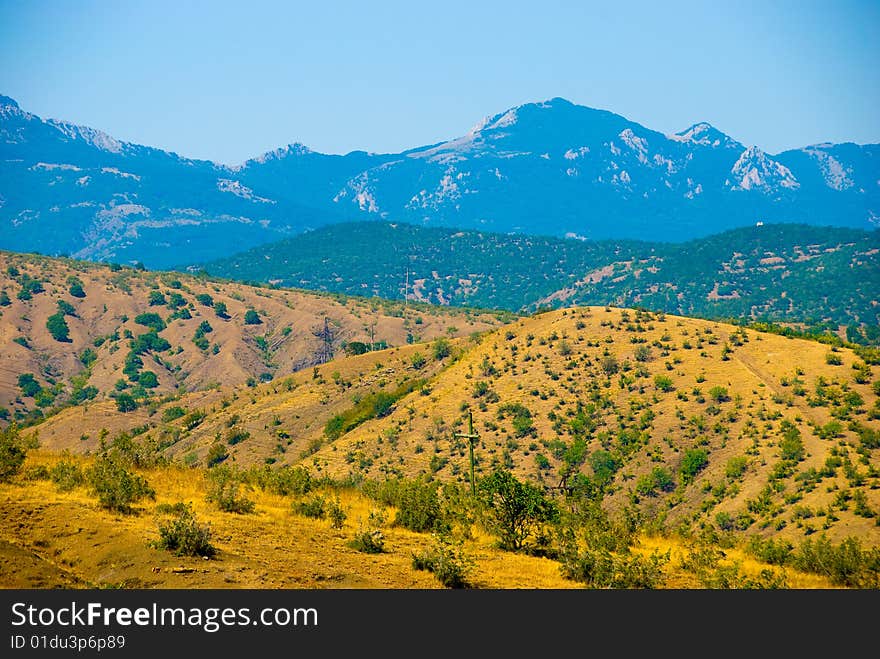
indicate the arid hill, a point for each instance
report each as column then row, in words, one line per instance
column 689, row 422
column 72, row 331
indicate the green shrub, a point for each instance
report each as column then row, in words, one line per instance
column 115, row 486
column 284, row 481
column 184, row 536
column 418, row 506
column 736, row 466
column 514, row 509
column 370, row 541
column 36, row 473
column 314, row 507
column 846, row 564
column 67, row 475
column 152, row 320
column 663, row 382
column 223, row 486
column 693, row 462
column 447, row 561
column 126, row 403
column 337, row 514
column 251, row 317
column 169, row 414
column 28, row 385
column 12, row 452
column 193, row 419
column 600, row 568
column 441, row 348
column 216, row 454
column 658, row 479
column 58, row 328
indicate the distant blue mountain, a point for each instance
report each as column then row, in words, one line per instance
column 550, row 168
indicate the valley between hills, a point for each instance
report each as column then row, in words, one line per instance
column 167, row 430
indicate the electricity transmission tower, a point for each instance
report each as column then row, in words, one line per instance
column 325, row 333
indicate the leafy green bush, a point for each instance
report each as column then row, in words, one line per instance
column 12, row 452
column 441, row 348
column 337, row 514
column 846, row 564
column 284, row 481
column 169, row 414
column 216, row 454
column 184, row 536
column 152, row 320
column 447, row 561
column 418, row 506
column 115, row 486
column 126, row 403
column 251, row 317
column 67, row 475
column 514, row 509
column 600, row 568
column 658, row 479
column 693, row 462
column 663, row 382
column 369, row 541
column 314, row 507
column 28, row 385
column 223, row 486
column 371, row 406
column 58, row 328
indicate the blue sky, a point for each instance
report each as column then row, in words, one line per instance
column 229, row 80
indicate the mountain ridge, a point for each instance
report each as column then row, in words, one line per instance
column 550, row 167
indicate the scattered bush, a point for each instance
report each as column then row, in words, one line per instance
column 12, row 453
column 370, row 541
column 67, row 475
column 447, row 561
column 314, row 507
column 223, row 486
column 184, row 536
column 58, row 328
column 115, row 486
column 693, row 462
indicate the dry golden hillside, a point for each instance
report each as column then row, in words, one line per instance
column 60, row 537
column 690, row 420
column 79, row 331
column 692, row 423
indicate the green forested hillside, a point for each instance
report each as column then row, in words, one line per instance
column 821, row 276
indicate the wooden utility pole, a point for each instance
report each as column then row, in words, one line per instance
column 472, row 438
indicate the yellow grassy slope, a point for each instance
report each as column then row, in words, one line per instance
column 51, row 539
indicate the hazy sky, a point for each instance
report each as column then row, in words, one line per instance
column 229, row 80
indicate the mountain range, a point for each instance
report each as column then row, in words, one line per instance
column 550, row 168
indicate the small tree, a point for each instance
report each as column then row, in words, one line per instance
column 115, row 486
column 12, row 453
column 223, row 484
column 515, row 508
column 441, row 348
column 663, row 382
column 126, row 403
column 693, row 462
column 58, row 328
column 251, row 317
